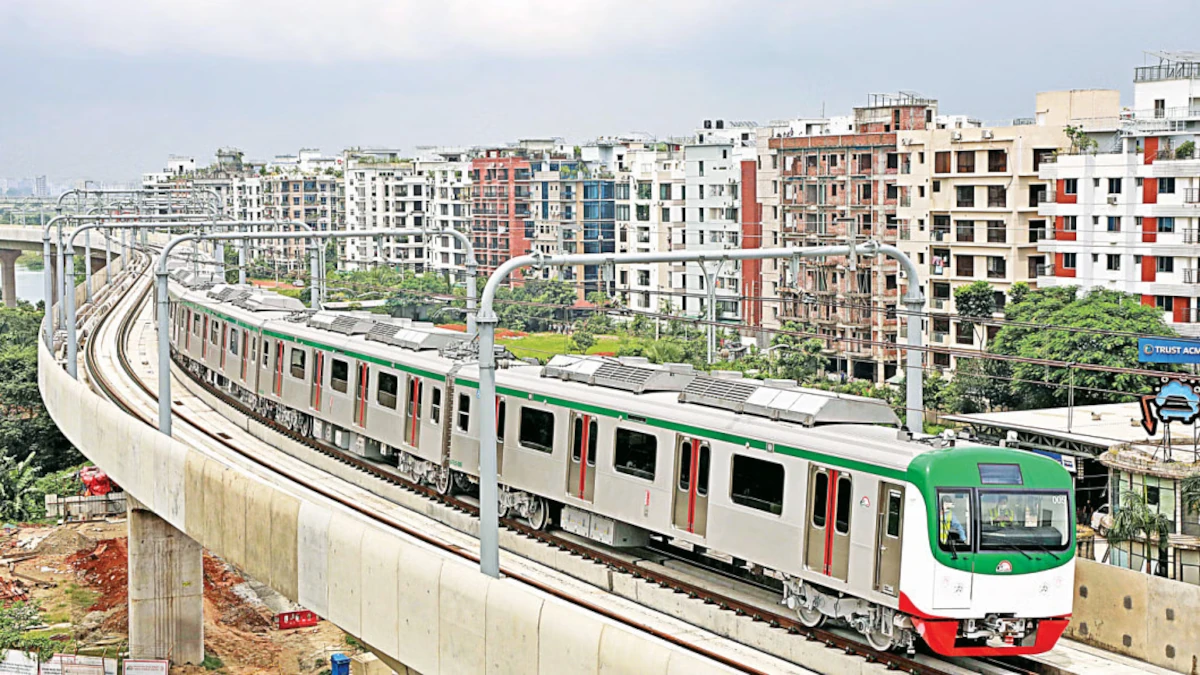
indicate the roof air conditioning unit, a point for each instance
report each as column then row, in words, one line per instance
column 1112, row 200
column 956, row 135
column 987, row 134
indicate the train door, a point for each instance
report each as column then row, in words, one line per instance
column 318, row 378
column 224, row 344
column 690, row 510
column 827, row 543
column 412, row 411
column 277, row 385
column 204, row 339
column 889, row 538
column 581, row 470
column 362, row 384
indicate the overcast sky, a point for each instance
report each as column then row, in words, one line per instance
column 106, row 89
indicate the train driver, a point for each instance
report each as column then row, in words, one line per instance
column 1001, row 515
column 950, row 523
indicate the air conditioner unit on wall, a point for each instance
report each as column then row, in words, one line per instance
column 987, row 133
column 1112, row 200
column 956, row 135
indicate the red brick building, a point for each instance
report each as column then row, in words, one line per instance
column 502, row 223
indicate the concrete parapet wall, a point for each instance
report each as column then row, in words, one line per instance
column 412, row 602
column 1136, row 614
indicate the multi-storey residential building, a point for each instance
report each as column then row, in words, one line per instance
column 1126, row 212
column 839, row 186
column 448, row 176
column 720, row 212
column 572, row 211
column 969, row 198
column 314, row 199
column 649, row 205
column 385, row 192
column 502, row 220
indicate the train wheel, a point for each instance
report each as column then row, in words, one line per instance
column 443, row 484
column 880, row 641
column 539, row 515
column 812, row 618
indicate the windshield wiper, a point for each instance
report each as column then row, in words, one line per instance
column 1022, row 551
column 1047, row 551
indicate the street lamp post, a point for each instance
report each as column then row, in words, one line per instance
column 489, row 555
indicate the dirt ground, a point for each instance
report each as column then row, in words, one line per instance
column 78, row 573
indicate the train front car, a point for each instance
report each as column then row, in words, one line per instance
column 994, row 573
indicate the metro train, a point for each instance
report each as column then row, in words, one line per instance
column 970, row 549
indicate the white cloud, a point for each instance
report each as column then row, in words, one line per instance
column 359, row 30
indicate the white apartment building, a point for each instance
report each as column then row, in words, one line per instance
column 713, row 202
column 1126, row 214
column 448, row 177
column 969, row 200
column 649, row 206
column 384, row 191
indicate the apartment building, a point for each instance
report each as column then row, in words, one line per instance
column 720, row 213
column 650, row 203
column 1126, row 212
column 448, row 176
column 501, row 215
column 969, row 199
column 384, row 191
column 314, row 199
column 839, row 183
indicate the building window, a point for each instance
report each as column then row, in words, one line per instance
column 1166, row 224
column 1164, row 264
column 1113, row 262
column 339, row 374
column 1068, row 261
column 1114, row 186
column 996, row 232
column 664, row 191
column 941, row 162
column 966, row 161
column 1166, row 186
column 1164, row 302
column 1114, row 223
column 964, row 333
column 1070, row 223
column 997, row 161
column 635, row 453
column 937, row 186
column 757, row 484
column 964, row 230
column 997, row 196
column 965, row 196
column 537, row 429
column 1070, row 186
column 997, row 267
column 966, row 266
column 464, row 412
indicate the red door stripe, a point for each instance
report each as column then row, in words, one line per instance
column 224, row 343
column 245, row 352
column 204, row 339
column 831, row 501
column 318, row 376
column 693, row 476
column 583, row 454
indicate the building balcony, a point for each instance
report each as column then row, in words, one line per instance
column 1045, row 270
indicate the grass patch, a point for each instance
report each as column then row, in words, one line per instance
column 545, row 345
column 212, row 662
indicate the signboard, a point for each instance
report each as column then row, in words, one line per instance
column 1168, row 350
column 146, row 666
column 18, row 663
column 1174, row 401
column 1067, row 461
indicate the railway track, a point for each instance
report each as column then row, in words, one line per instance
column 830, row 638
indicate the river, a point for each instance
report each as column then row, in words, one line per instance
column 30, row 286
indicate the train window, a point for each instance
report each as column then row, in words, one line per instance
column 685, row 466
column 196, row 324
column 1000, row 474
column 233, row 343
column 254, row 349
column 339, row 375
column 577, row 440
column 635, row 453
column 215, row 333
column 435, row 406
column 702, row 471
column 845, row 493
column 388, row 389
column 820, row 499
column 464, row 412
column 501, row 409
column 537, row 429
column 954, row 520
column 893, row 514
column 297, row 366
column 757, row 484
column 266, row 354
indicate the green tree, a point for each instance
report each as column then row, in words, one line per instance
column 582, row 339
column 17, row 622
column 976, row 300
column 18, row 501
column 1081, row 142
column 666, row 350
column 1117, row 319
column 1133, row 520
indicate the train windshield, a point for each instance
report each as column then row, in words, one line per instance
column 1013, row 519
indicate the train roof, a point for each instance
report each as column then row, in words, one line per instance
column 775, row 415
